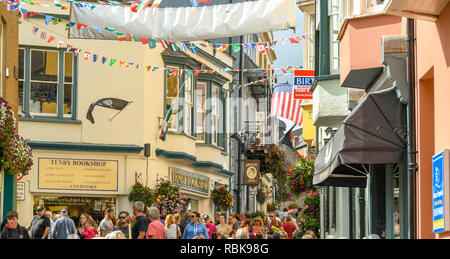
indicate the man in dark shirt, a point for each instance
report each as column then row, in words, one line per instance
column 141, row 223
column 12, row 229
column 40, row 225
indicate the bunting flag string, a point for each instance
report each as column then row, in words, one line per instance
column 172, row 72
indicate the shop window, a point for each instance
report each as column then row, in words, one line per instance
column 94, row 206
column 46, row 82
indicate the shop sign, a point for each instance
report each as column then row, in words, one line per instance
column 251, row 172
column 189, row 181
column 303, row 80
column 441, row 167
column 78, row 174
column 20, row 191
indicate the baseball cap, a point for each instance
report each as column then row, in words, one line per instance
column 205, row 216
column 39, row 208
column 63, row 211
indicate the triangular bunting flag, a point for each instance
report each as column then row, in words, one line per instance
column 35, row 30
column 87, row 55
column 151, row 44
column 48, row 19
column 143, row 40
column 80, row 25
column 50, row 39
column 192, row 47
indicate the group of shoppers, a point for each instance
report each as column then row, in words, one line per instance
column 147, row 223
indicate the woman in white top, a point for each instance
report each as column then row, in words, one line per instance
column 172, row 230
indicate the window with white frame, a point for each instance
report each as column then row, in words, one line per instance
column 333, row 13
column 200, row 111
column 310, row 44
column 215, row 111
column 172, row 87
column 46, row 82
column 188, row 104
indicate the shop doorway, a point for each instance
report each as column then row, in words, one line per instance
column 94, row 206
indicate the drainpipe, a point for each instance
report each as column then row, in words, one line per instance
column 412, row 165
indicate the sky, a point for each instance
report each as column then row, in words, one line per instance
column 289, row 55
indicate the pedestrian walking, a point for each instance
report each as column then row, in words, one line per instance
column 223, row 227
column 156, row 229
column 177, row 217
column 87, row 228
column 209, row 225
column 232, row 234
column 64, row 226
column 140, row 223
column 49, row 215
column 40, row 225
column 235, row 222
column 107, row 225
column 216, row 219
column 274, row 221
column 185, row 219
column 172, row 229
column 115, row 235
column 258, row 227
column 12, row 229
column 289, row 227
column 284, row 214
column 266, row 222
column 123, row 223
column 243, row 231
column 195, row 229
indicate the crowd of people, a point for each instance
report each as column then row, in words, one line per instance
column 147, row 223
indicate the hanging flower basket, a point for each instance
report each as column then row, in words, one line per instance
column 222, row 198
column 301, row 175
column 142, row 193
column 261, row 196
column 271, row 207
column 278, row 167
column 169, row 199
column 15, row 154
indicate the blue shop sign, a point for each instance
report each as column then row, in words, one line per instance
column 438, row 193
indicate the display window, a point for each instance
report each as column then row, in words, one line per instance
column 94, row 206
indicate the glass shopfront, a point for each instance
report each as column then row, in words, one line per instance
column 94, row 206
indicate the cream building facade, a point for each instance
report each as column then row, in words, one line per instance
column 88, row 167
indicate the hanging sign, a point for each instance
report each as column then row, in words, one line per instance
column 303, row 80
column 20, row 191
column 251, row 172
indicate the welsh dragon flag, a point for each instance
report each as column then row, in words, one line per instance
column 165, row 124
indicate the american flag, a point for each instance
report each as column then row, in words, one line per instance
column 284, row 105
